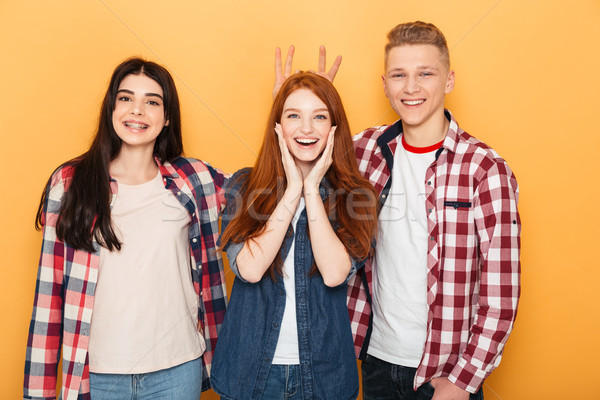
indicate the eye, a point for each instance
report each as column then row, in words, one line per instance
column 123, row 98
column 153, row 103
column 292, row 115
column 426, row 73
column 397, row 75
column 321, row 116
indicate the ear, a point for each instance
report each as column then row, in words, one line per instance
column 384, row 85
column 449, row 82
column 167, row 123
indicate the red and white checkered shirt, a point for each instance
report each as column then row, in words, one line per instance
column 67, row 278
column 473, row 278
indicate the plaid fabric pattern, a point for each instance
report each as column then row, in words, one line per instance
column 66, row 282
column 473, row 260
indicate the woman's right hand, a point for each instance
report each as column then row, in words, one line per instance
column 293, row 175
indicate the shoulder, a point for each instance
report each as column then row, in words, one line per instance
column 62, row 176
column 238, row 179
column 368, row 137
column 486, row 159
column 188, row 167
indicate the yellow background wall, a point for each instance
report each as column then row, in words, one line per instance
column 527, row 83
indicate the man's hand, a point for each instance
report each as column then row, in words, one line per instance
column 283, row 72
column 446, row 390
column 329, row 75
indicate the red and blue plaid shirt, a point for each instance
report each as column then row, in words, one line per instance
column 67, row 278
column 473, row 278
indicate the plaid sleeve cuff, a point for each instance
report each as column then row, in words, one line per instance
column 466, row 376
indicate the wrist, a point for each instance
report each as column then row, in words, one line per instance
column 292, row 193
column 311, row 187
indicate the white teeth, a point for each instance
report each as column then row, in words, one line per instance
column 136, row 126
column 306, row 141
column 413, row 102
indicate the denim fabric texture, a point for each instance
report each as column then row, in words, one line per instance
column 384, row 381
column 283, row 383
column 182, row 382
column 248, row 338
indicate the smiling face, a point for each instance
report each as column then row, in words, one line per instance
column 305, row 123
column 139, row 114
column 416, row 81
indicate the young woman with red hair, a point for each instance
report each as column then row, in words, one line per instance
column 296, row 227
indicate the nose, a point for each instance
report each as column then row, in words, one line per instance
column 307, row 125
column 137, row 108
column 412, row 84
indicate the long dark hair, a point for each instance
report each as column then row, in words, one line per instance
column 354, row 205
column 85, row 208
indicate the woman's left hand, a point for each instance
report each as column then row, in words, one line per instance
column 316, row 174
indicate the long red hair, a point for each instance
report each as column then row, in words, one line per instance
column 352, row 204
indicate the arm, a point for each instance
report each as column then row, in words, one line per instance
column 282, row 74
column 498, row 227
column 45, row 330
column 330, row 254
column 258, row 253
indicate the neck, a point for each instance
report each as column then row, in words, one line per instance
column 428, row 134
column 133, row 167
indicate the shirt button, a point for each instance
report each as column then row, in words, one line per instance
column 383, row 196
column 201, row 292
column 429, row 183
column 178, row 193
column 431, row 238
column 194, row 240
column 193, row 214
column 267, row 359
column 275, row 325
column 430, row 210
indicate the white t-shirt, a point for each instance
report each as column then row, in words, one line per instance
column 400, row 272
column 286, row 352
column 145, row 313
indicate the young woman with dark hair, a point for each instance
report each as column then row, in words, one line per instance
column 129, row 285
column 295, row 228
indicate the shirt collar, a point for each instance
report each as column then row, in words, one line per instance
column 453, row 135
column 166, row 169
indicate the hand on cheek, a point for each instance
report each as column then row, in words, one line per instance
column 314, row 178
column 293, row 175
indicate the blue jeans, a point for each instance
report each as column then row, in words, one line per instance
column 182, row 382
column 283, row 383
column 384, row 381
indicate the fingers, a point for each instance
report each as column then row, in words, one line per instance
column 322, row 59
column 330, row 143
column 334, row 68
column 330, row 75
column 288, row 61
column 277, row 63
column 285, row 153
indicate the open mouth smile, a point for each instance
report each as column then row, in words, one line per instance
column 306, row 141
column 413, row 102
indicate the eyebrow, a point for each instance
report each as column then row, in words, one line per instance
column 297, row 109
column 419, row 67
column 147, row 94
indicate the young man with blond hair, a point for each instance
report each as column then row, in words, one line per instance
column 433, row 308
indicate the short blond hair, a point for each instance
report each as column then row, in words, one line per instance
column 418, row 32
